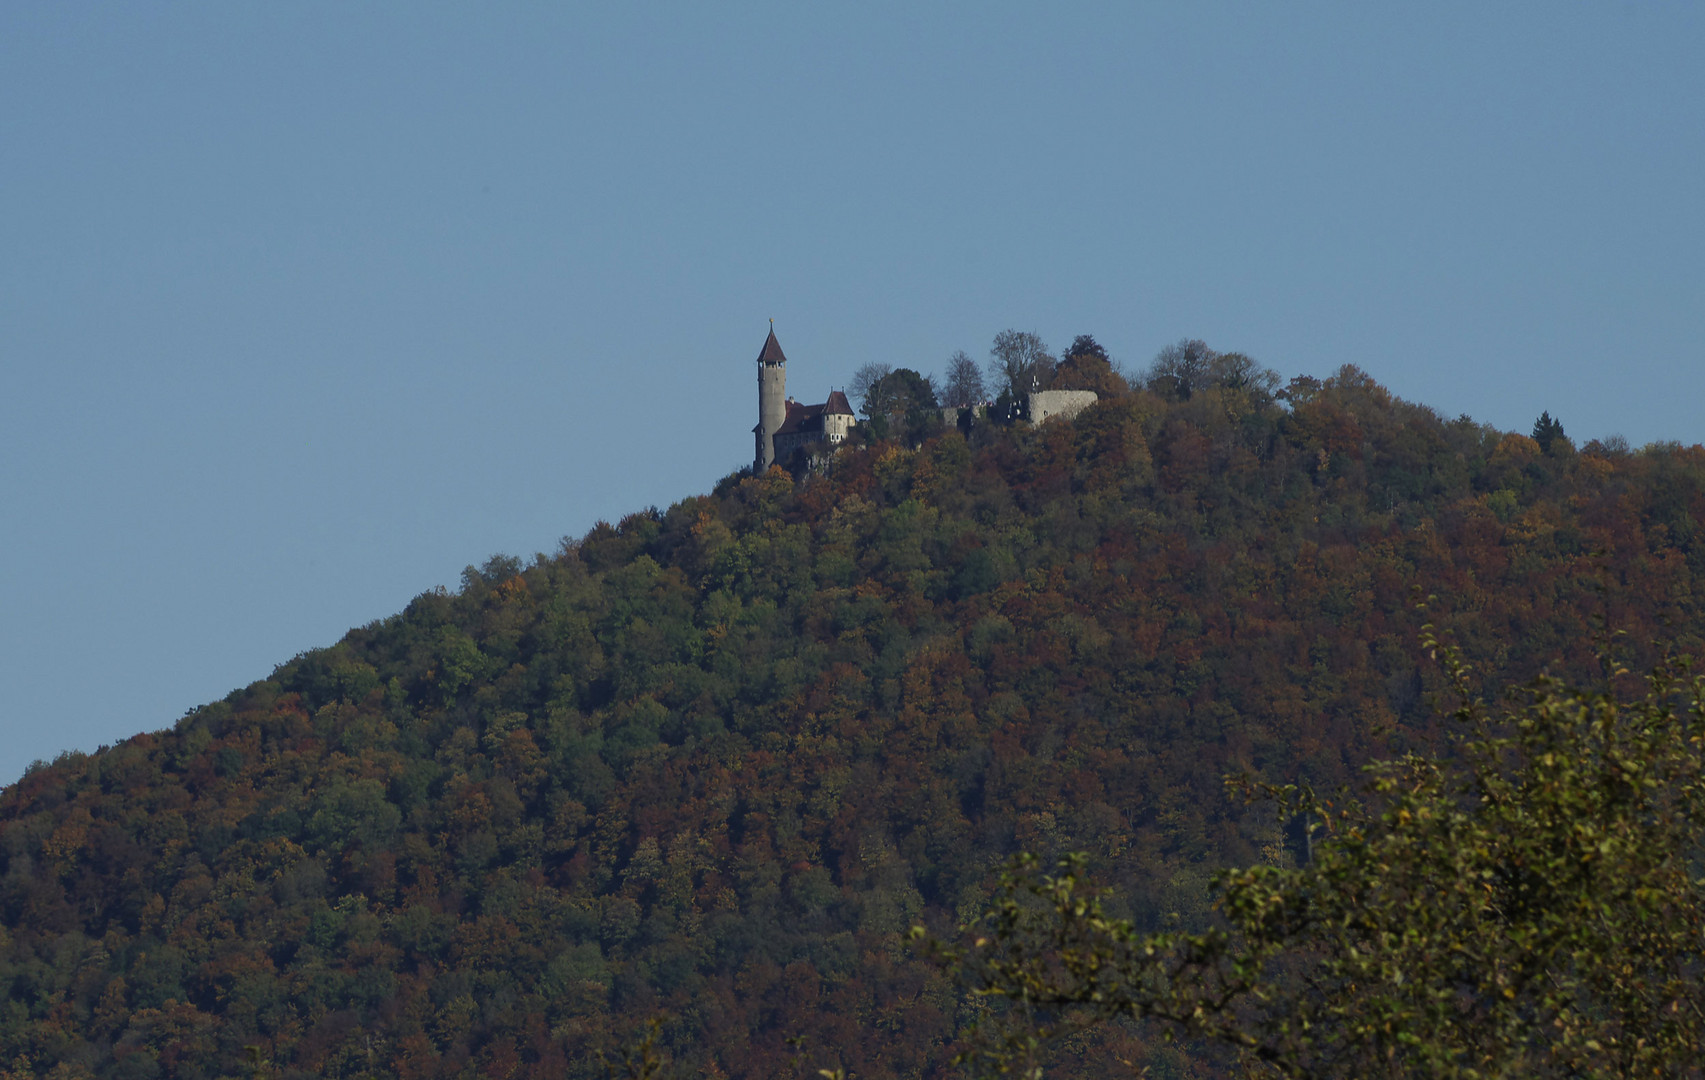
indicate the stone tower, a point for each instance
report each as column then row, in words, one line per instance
column 772, row 400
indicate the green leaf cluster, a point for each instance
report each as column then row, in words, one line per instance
column 1528, row 904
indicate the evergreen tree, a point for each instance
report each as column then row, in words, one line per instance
column 1546, row 432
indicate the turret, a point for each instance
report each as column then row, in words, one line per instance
column 772, row 400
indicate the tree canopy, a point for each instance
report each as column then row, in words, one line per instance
column 1524, row 905
column 1018, row 363
column 1183, row 369
column 1086, row 366
column 711, row 762
column 1548, row 433
column 963, row 385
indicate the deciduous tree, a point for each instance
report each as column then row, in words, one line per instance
column 964, row 383
column 1528, row 905
column 1019, row 363
column 864, row 380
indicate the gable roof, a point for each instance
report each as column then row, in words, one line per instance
column 800, row 418
column 772, row 353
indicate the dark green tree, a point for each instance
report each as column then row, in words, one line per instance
column 1547, row 432
column 1086, row 366
column 1085, row 345
column 899, row 400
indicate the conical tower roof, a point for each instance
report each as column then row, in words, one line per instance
column 772, row 353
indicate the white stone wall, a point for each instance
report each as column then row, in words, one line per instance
column 1065, row 404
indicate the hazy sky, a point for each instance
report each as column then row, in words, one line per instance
column 305, row 307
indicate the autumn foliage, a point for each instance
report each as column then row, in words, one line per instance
column 712, row 763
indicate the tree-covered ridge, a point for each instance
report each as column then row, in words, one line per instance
column 712, row 762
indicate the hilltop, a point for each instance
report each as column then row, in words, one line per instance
column 711, row 762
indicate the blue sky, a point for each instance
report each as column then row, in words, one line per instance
column 305, row 307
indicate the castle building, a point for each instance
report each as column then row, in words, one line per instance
column 786, row 426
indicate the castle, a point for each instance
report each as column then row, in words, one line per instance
column 784, row 425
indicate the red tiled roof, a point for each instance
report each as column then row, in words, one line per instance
column 801, row 418
column 808, row 418
column 772, row 353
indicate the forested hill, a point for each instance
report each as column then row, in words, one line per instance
column 712, row 762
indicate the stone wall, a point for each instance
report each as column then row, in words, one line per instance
column 772, row 411
column 1064, row 404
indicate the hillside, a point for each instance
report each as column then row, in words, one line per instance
column 712, row 762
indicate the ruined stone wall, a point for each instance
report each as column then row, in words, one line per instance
column 1065, row 404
